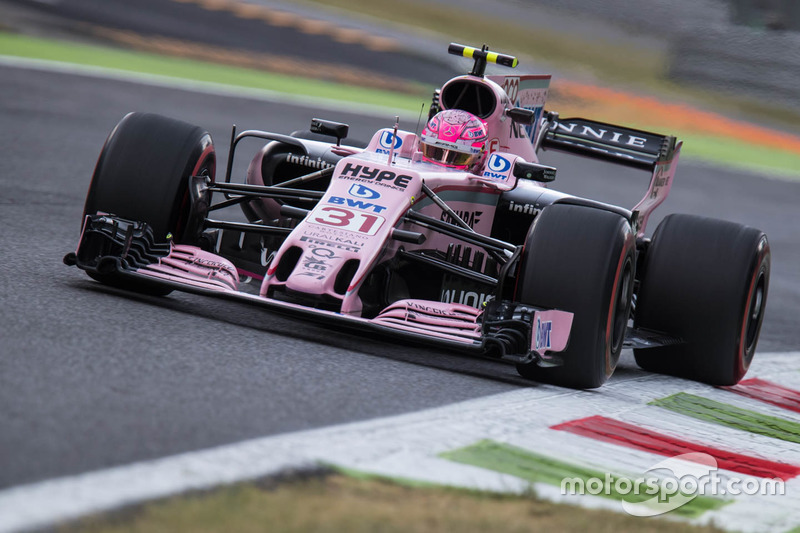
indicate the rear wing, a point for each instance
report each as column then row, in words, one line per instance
column 657, row 154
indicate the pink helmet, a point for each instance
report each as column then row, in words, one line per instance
column 453, row 138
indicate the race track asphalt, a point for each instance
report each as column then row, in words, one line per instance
column 92, row 377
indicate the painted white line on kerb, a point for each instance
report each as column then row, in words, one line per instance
column 207, row 87
column 408, row 446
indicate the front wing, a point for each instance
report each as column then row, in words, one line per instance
column 124, row 251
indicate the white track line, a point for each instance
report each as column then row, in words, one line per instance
column 408, row 446
column 205, row 87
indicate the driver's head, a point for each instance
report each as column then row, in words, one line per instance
column 454, row 139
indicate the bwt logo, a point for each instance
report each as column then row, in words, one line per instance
column 543, row 330
column 387, row 138
column 498, row 163
column 497, row 167
column 362, row 191
column 357, row 204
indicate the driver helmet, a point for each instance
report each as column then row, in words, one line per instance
column 454, row 138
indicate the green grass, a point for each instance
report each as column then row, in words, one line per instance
column 336, row 503
column 548, row 46
column 187, row 69
column 724, row 151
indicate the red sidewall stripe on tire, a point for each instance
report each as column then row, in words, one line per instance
column 610, row 319
column 741, row 368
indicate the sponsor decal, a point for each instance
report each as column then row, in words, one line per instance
column 470, row 217
column 532, row 98
column 431, row 310
column 498, row 163
column 602, row 134
column 470, row 298
column 537, row 115
column 447, row 144
column 528, row 209
column 671, row 484
column 341, row 242
column 388, row 138
column 362, row 191
column 386, row 178
column 497, row 167
column 332, row 233
column 208, row 263
column 357, row 204
column 661, row 179
column 335, row 242
column 543, row 329
column 511, row 87
column 346, row 219
column 306, row 161
column 316, row 265
column 517, row 131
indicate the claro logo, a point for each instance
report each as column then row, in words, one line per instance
column 381, row 177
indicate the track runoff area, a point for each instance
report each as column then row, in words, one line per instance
column 644, row 444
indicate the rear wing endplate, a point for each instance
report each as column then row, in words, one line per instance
column 657, row 154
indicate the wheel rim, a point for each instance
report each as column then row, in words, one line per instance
column 755, row 313
column 621, row 308
column 206, row 166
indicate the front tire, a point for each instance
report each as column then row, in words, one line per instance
column 704, row 281
column 581, row 260
column 143, row 174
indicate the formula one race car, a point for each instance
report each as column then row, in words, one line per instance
column 450, row 237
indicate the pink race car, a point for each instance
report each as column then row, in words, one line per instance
column 449, row 237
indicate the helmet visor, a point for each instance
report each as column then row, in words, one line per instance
column 448, row 157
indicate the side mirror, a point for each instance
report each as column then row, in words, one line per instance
column 534, row 171
column 330, row 128
column 520, row 115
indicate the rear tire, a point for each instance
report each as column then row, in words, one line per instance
column 581, row 260
column 143, row 174
column 704, row 281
